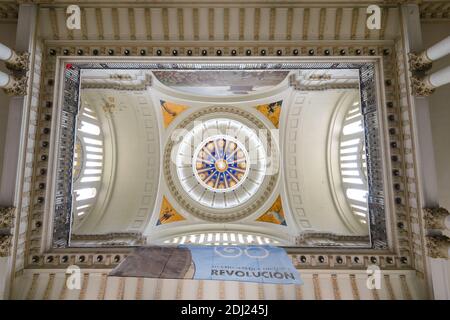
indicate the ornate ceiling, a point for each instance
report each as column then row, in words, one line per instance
column 224, row 165
column 430, row 11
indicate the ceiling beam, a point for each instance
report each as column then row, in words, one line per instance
column 148, row 23
column 211, row 23
column 54, row 23
column 165, row 23
column 99, row 21
column 180, row 18
column 355, row 16
column 241, row 23
column 322, row 16
column 289, row 22
column 195, row 22
column 337, row 24
column 115, row 20
column 257, row 23
column 272, row 24
column 226, row 23
column 305, row 23
column 132, row 22
column 83, row 25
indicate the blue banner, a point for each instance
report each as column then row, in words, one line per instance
column 263, row 264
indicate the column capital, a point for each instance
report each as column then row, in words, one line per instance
column 16, row 86
column 419, row 62
column 421, row 87
column 5, row 245
column 6, row 224
column 18, row 61
column 435, row 217
column 7, row 217
column 437, row 246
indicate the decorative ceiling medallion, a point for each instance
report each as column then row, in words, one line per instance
column 109, row 106
column 168, row 214
column 275, row 214
column 219, row 170
column 271, row 111
column 221, row 163
column 170, row 111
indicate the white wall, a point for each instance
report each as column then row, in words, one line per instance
column 8, row 38
column 440, row 113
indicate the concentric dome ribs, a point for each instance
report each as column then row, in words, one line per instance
column 221, row 163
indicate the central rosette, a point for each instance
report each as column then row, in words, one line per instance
column 221, row 163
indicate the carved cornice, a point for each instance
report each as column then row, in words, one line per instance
column 8, row 11
column 118, row 82
column 434, row 10
column 330, row 239
column 297, row 85
column 109, row 239
column 435, row 217
column 438, row 246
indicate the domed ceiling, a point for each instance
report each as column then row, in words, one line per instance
column 243, row 164
column 216, row 167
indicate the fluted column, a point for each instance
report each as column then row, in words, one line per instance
column 439, row 78
column 439, row 50
column 5, row 53
column 13, row 86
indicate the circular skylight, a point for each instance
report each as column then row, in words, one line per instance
column 221, row 163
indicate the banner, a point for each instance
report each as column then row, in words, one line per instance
column 262, row 264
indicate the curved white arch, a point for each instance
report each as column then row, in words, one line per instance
column 279, row 88
column 88, row 163
column 346, row 163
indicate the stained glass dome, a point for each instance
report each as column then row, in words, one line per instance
column 221, row 163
